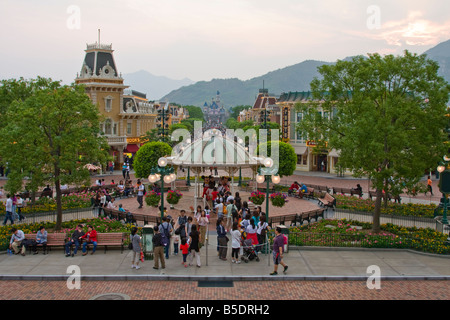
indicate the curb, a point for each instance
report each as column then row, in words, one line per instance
column 214, row 278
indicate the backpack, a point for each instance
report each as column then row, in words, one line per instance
column 144, row 192
column 165, row 236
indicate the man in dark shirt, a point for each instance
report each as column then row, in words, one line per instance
column 278, row 247
column 158, row 249
column 74, row 240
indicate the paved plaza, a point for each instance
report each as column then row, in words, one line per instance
column 313, row 274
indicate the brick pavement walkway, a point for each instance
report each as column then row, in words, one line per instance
column 244, row 290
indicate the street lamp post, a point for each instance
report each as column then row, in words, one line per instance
column 166, row 174
column 264, row 116
column 163, row 117
column 263, row 176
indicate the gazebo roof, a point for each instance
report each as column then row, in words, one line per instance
column 213, row 150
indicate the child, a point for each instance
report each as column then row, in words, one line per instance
column 184, row 250
column 176, row 241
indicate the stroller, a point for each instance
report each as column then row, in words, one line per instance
column 249, row 251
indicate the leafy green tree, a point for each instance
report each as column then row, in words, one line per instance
column 285, row 161
column 195, row 112
column 147, row 157
column 385, row 115
column 50, row 136
column 236, row 110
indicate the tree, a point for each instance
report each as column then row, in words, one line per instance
column 237, row 109
column 195, row 112
column 50, row 136
column 385, row 115
column 147, row 157
column 285, row 161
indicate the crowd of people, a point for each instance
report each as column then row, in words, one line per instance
column 187, row 233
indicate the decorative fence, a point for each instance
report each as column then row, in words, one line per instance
column 50, row 216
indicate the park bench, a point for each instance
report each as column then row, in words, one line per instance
column 48, row 193
column 109, row 240
column 373, row 194
column 281, row 220
column 327, row 201
column 337, row 190
column 183, row 188
column 356, row 192
column 55, row 239
column 135, row 217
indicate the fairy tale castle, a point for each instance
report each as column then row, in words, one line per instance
column 214, row 112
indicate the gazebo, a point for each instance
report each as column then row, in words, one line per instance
column 213, row 149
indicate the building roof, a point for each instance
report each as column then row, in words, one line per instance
column 264, row 100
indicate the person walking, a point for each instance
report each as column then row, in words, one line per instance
column 261, row 232
column 235, row 243
column 222, row 239
column 184, row 247
column 278, row 248
column 135, row 240
column 203, row 224
column 165, row 228
column 140, row 195
column 429, row 186
column 158, row 249
column 194, row 248
column 8, row 209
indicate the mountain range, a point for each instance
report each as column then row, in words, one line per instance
column 235, row 92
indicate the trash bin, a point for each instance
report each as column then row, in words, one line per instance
column 285, row 231
column 147, row 236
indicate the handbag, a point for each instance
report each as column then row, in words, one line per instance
column 142, row 256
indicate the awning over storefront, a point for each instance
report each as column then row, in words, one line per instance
column 131, row 148
column 300, row 150
column 334, row 153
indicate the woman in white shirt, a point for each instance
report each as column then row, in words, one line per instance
column 203, row 224
column 251, row 232
column 235, row 243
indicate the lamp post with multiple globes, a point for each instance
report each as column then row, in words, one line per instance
column 264, row 173
column 165, row 174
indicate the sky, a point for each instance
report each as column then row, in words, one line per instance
column 206, row 39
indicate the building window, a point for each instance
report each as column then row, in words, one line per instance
column 305, row 159
column 108, row 104
column 115, row 129
column 128, row 128
column 299, row 159
column 108, row 126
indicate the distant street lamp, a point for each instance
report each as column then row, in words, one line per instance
column 264, row 173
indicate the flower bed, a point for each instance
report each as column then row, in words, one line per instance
column 345, row 233
column 101, row 225
column 367, row 205
column 70, row 201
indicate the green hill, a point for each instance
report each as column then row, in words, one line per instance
column 293, row 78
